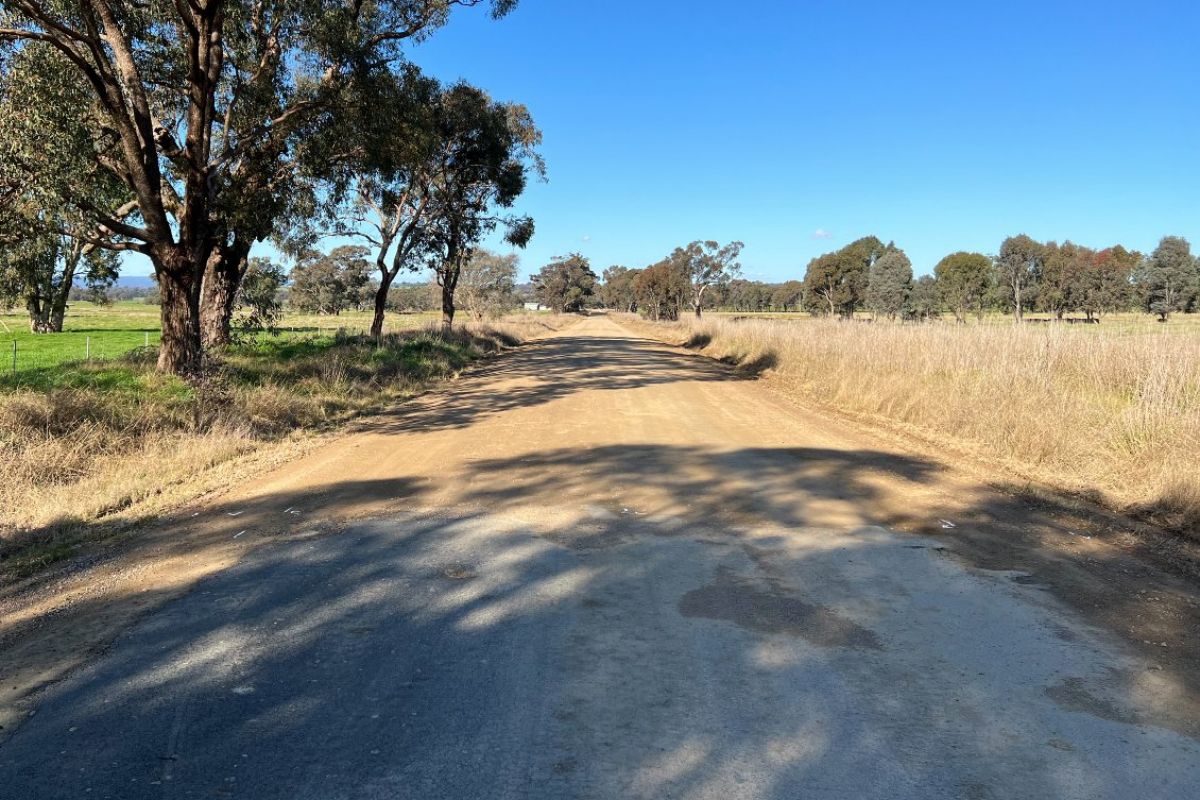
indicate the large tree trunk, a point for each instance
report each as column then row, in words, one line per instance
column 451, row 269
column 46, row 314
column 447, row 304
column 58, row 310
column 39, row 315
column 62, row 293
column 47, row 300
column 381, row 296
column 179, row 352
column 222, row 277
column 37, row 305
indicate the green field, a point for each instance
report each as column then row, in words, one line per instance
column 101, row 332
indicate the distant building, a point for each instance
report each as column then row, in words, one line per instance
column 535, row 307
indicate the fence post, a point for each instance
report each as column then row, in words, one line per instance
column 147, row 338
column 14, row 356
column 87, row 348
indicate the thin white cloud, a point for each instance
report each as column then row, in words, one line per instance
column 821, row 233
column 587, row 238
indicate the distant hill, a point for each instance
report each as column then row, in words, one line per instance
column 135, row 281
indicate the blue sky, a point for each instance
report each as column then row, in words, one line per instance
column 799, row 126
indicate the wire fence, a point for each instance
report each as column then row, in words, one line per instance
column 48, row 351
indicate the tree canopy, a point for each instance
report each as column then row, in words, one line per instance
column 836, row 282
column 619, row 290
column 1017, row 267
column 488, row 284
column 332, row 283
column 889, row 283
column 1168, row 279
column 707, row 264
column 565, row 284
column 963, row 281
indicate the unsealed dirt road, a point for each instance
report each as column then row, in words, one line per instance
column 601, row 567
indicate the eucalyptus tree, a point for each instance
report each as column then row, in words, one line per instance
column 1062, row 280
column 1106, row 285
column 963, row 282
column 387, row 184
column 825, row 286
column 46, row 154
column 662, row 289
column 836, row 282
column 1018, row 265
column 707, row 265
column 922, row 302
column 200, row 109
column 743, row 295
column 1168, row 278
column 39, row 270
column 486, row 151
column 618, row 291
column 788, row 296
column 488, row 284
column 258, row 296
column 889, row 282
column 330, row 283
column 565, row 284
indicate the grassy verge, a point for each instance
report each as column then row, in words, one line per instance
column 1113, row 417
column 95, row 332
column 114, row 441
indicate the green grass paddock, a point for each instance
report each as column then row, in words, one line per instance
column 99, row 332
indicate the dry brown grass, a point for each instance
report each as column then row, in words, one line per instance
column 1111, row 416
column 87, row 449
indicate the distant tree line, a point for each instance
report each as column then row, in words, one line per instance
column 699, row 275
column 104, row 294
column 869, row 276
column 1061, row 279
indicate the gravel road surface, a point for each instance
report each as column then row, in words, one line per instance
column 601, row 567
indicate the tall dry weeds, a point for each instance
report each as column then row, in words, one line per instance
column 1114, row 415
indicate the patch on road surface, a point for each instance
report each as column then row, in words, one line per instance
column 770, row 608
column 1073, row 694
column 459, row 572
column 589, row 536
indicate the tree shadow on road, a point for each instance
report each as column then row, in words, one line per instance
column 551, row 369
column 1074, row 554
column 695, row 647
